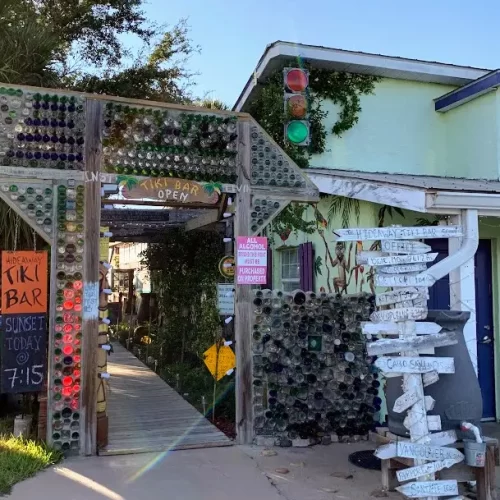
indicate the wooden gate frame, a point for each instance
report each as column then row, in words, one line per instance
column 251, row 138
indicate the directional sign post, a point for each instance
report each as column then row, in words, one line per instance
column 402, row 265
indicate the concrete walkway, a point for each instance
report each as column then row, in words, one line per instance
column 208, row 474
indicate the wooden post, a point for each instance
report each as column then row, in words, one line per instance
column 242, row 326
column 90, row 320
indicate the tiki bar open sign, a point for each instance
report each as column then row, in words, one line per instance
column 24, row 321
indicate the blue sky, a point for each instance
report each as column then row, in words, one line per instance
column 233, row 34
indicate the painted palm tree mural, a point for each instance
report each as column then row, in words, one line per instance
column 343, row 274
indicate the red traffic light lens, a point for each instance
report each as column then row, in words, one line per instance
column 297, row 106
column 297, row 80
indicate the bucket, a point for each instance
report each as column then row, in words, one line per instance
column 475, row 453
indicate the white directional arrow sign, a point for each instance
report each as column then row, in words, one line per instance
column 430, row 378
column 405, row 449
column 403, row 364
column 430, row 402
column 404, row 268
column 390, row 260
column 424, row 280
column 423, row 470
column 401, row 295
column 398, row 233
column 442, row 438
column 388, row 346
column 402, row 314
column 421, row 328
column 405, row 401
column 429, row 489
column 405, row 247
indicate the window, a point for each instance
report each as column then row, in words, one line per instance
column 290, row 269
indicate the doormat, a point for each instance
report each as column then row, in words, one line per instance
column 365, row 459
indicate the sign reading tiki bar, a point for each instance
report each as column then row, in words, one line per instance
column 24, row 326
column 169, row 189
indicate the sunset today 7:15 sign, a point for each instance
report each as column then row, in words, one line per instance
column 251, row 260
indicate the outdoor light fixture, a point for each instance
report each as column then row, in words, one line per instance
column 106, row 234
column 106, row 347
column 296, row 83
column 104, row 375
column 106, row 321
column 227, row 240
column 228, row 343
column 228, row 320
column 227, row 214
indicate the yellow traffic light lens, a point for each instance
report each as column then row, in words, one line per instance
column 297, row 106
column 297, row 132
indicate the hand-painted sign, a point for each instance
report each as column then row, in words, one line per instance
column 421, row 328
column 423, row 470
column 429, row 488
column 403, row 268
column 396, row 280
column 403, row 364
column 388, row 346
column 24, row 282
column 24, row 357
column 405, row 449
column 430, row 378
column 401, row 295
column 169, row 189
column 389, row 260
column 398, row 233
column 442, row 438
column 405, row 401
column 404, row 314
column 251, row 260
column 405, row 247
column 226, row 266
column 225, row 298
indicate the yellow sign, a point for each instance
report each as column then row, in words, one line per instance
column 219, row 367
column 226, row 266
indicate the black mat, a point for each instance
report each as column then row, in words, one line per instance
column 365, row 459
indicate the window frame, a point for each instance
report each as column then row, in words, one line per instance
column 288, row 250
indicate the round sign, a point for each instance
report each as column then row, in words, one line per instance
column 226, row 266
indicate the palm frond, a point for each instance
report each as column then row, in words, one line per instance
column 345, row 208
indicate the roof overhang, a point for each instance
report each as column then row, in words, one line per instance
column 354, row 62
column 423, row 196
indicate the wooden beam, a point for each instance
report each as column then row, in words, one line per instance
column 107, row 201
column 304, row 195
column 203, row 220
column 90, row 320
column 242, row 320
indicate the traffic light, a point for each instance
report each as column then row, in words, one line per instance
column 297, row 127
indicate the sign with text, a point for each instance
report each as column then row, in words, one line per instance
column 24, row 282
column 225, row 298
column 251, row 260
column 169, row 189
column 398, row 233
column 24, row 357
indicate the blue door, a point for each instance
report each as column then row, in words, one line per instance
column 439, row 298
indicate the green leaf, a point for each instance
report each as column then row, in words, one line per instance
column 317, row 266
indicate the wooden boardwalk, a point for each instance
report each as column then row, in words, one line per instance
column 147, row 415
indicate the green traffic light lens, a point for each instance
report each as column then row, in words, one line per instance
column 297, row 132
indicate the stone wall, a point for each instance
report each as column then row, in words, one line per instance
column 312, row 379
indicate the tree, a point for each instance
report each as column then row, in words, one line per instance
column 212, row 104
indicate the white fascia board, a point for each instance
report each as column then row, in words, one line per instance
column 394, row 67
column 404, row 198
column 452, row 202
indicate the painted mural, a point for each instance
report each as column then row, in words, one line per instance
column 335, row 266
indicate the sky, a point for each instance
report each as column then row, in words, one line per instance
column 233, row 34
